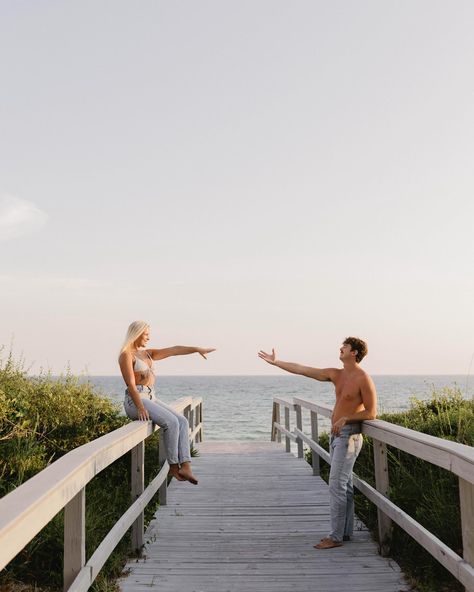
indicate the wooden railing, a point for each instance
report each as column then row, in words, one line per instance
column 454, row 457
column 27, row 509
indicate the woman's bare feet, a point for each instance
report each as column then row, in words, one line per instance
column 174, row 472
column 186, row 473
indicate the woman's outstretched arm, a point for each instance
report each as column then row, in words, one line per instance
column 179, row 350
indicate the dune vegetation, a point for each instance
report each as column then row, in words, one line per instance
column 41, row 419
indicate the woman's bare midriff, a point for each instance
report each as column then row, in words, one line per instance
column 139, row 376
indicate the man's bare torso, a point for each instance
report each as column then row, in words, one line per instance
column 348, row 385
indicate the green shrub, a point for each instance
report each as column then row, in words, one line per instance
column 42, row 419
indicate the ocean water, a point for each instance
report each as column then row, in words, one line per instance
column 240, row 407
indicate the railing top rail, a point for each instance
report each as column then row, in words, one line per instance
column 27, row 509
column 183, row 402
column 453, row 456
column 312, row 406
column 283, row 402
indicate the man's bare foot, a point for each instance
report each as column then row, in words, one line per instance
column 174, row 472
column 327, row 543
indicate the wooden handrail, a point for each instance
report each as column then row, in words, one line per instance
column 27, row 509
column 452, row 456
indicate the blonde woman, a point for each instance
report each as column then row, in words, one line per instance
column 136, row 365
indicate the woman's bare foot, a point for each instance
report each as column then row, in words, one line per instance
column 174, row 472
column 186, row 473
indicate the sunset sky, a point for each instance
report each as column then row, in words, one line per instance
column 242, row 175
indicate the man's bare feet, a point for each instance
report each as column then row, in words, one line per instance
column 186, row 473
column 327, row 543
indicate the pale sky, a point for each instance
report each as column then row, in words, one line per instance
column 242, row 175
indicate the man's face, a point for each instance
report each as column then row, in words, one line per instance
column 346, row 353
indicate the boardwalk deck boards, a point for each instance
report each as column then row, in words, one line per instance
column 250, row 526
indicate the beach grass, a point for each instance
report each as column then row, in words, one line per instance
column 41, row 419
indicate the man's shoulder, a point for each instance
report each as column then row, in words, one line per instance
column 362, row 373
column 364, row 377
column 334, row 373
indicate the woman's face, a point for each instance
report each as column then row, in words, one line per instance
column 143, row 339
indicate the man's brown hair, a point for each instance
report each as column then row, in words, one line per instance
column 358, row 345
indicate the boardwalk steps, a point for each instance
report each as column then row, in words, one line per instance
column 250, row 525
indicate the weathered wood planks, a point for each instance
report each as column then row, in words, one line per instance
column 250, row 525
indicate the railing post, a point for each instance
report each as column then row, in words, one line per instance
column 382, row 486
column 200, row 434
column 287, row 426
column 276, row 435
column 138, row 486
column 315, row 438
column 197, row 421
column 299, row 425
column 162, row 491
column 74, row 537
column 192, row 425
column 466, row 496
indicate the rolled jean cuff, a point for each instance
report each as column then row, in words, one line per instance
column 172, row 461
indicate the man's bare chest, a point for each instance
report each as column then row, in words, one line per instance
column 348, row 390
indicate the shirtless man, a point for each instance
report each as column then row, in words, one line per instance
column 356, row 400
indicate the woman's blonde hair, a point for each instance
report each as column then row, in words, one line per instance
column 134, row 331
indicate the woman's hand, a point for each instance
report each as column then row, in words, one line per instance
column 143, row 413
column 202, row 351
column 269, row 358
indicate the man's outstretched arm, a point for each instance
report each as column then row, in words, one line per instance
column 322, row 374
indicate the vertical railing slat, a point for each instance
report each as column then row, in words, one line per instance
column 466, row 497
column 382, row 485
column 138, row 486
column 162, row 491
column 192, row 422
column 287, row 426
column 299, row 425
column 275, row 434
column 201, row 435
column 315, row 438
column 74, row 537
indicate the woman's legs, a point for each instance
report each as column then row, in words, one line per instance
column 175, row 434
column 184, row 453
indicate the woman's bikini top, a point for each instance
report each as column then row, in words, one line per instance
column 139, row 365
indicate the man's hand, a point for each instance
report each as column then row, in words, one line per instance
column 202, row 351
column 269, row 358
column 340, row 423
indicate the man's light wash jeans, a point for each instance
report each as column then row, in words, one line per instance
column 174, row 425
column 344, row 450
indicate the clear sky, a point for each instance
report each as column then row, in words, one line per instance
column 241, row 174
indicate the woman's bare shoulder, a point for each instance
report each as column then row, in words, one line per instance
column 125, row 356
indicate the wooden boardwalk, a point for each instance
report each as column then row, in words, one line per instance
column 250, row 526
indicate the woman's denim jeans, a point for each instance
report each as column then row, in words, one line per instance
column 174, row 425
column 344, row 450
